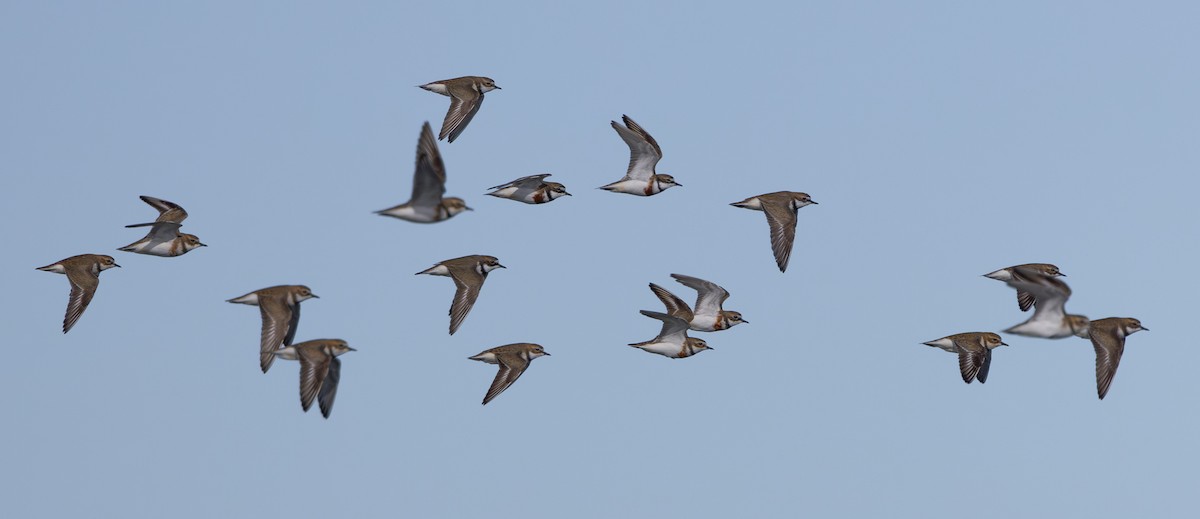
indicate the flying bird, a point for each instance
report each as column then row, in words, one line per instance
column 531, row 190
column 83, row 271
column 1024, row 277
column 974, row 350
column 426, row 204
column 164, row 238
column 466, row 96
column 468, row 273
column 708, row 315
column 320, row 370
column 1050, row 319
column 1108, row 338
column 513, row 359
column 644, row 153
column 672, row 341
column 780, row 208
column 280, row 308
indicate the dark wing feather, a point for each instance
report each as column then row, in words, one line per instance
column 279, row 322
column 314, row 369
column 329, row 388
column 1025, row 300
column 710, row 297
column 468, row 282
column 464, row 104
column 983, row 369
column 641, row 131
column 429, row 176
column 83, row 287
column 529, row 182
column 1109, row 348
column 512, row 366
column 675, row 306
column 969, row 363
column 782, row 221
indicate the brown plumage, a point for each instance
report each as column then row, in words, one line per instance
column 468, row 273
column 780, row 208
column 83, row 271
column 1108, row 338
column 513, row 360
column 280, row 309
column 466, row 96
column 974, row 350
column 320, row 370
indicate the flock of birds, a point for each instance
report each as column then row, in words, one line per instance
column 1037, row 285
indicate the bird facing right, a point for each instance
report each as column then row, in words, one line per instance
column 426, row 204
column 83, row 272
column 974, row 351
column 468, row 273
column 1026, row 276
column 280, row 308
column 466, row 96
column 320, row 370
column 672, row 341
column 532, row 189
column 164, row 238
column 640, row 178
column 780, row 208
column 708, row 316
column 513, row 359
column 1108, row 338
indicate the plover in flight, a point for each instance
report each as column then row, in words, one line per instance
column 164, row 238
column 426, row 204
column 320, row 370
column 974, row 350
column 672, row 341
column 512, row 359
column 1108, row 338
column 531, row 190
column 780, row 208
column 640, row 179
column 468, row 273
column 83, row 272
column 708, row 316
column 466, row 96
column 280, row 308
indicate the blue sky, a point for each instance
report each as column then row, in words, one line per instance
column 943, row 140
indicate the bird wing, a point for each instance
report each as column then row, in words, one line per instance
column 464, row 103
column 709, row 296
column 314, row 369
column 468, row 282
column 641, row 131
column 1109, row 348
column 329, row 388
column 167, row 211
column 674, row 329
column 512, row 365
column 529, row 182
column 84, row 282
column 279, row 321
column 643, row 154
column 970, row 362
column 429, row 177
column 983, row 368
column 675, row 306
column 1028, row 283
column 1050, row 299
column 163, row 232
column 782, row 221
